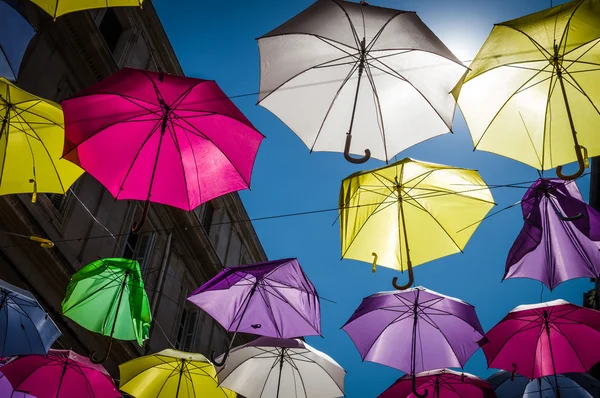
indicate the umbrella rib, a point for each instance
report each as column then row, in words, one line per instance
column 505, row 103
column 582, row 91
column 178, row 147
column 557, row 329
column 324, row 40
column 24, row 313
column 548, row 109
column 154, row 130
column 270, row 311
column 281, row 297
column 565, row 34
column 269, row 375
column 335, row 97
column 537, row 45
column 352, row 27
column 597, row 40
column 196, row 168
column 303, row 355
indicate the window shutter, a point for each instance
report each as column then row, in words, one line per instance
column 143, row 250
column 190, row 331
column 57, row 200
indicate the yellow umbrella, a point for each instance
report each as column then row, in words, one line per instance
column 56, row 8
column 31, row 144
column 171, row 374
column 409, row 213
column 532, row 91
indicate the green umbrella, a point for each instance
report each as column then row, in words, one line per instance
column 108, row 297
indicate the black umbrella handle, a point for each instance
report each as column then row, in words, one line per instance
column 214, row 359
column 350, row 158
column 411, row 279
column 93, row 358
column 414, row 389
column 561, row 215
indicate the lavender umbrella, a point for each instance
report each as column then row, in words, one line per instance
column 444, row 331
column 273, row 299
column 559, row 240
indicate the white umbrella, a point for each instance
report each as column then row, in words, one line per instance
column 281, row 368
column 571, row 385
column 341, row 68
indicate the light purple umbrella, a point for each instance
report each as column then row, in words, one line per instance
column 273, row 299
column 559, row 240
column 415, row 330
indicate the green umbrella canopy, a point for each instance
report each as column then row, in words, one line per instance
column 108, row 297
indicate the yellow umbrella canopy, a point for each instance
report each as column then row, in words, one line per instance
column 409, row 213
column 171, row 374
column 31, row 144
column 56, row 8
column 532, row 91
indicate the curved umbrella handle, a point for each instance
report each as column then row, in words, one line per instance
column 45, row 243
column 350, row 158
column 580, row 162
column 214, row 360
column 512, row 377
column 137, row 225
column 411, row 279
column 561, row 215
column 93, row 358
column 374, row 262
column 414, row 389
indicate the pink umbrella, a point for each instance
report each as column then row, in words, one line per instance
column 160, row 138
column 60, row 374
column 6, row 389
column 444, row 383
column 545, row 339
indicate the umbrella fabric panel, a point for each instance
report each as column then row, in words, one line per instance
column 521, row 338
column 443, row 383
column 441, row 200
column 576, row 385
column 256, row 370
column 31, row 144
column 25, row 328
column 60, row 374
column 311, row 62
column 94, row 293
column 548, row 388
column 514, row 76
column 273, row 299
column 15, row 35
column 171, row 373
column 447, row 330
column 56, row 8
column 181, row 137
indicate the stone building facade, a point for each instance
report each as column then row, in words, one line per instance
column 177, row 250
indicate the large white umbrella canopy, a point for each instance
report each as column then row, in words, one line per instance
column 281, row 368
column 341, row 69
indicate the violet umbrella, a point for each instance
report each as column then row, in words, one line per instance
column 445, row 383
column 545, row 339
column 415, row 330
column 272, row 299
column 60, row 374
column 160, row 138
column 560, row 238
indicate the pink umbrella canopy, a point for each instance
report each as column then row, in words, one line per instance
column 443, row 383
column 60, row 374
column 160, row 138
column 545, row 339
column 6, row 389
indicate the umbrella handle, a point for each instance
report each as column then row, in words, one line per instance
column 411, row 279
column 414, row 389
column 138, row 224
column 561, row 215
column 350, row 158
column 102, row 360
column 214, row 360
column 580, row 161
column 512, row 377
column 45, row 243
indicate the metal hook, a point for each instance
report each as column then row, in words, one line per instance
column 350, row 158
column 411, row 279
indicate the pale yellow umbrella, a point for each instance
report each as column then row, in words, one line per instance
column 56, row 8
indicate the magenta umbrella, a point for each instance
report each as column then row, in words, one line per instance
column 444, row 383
column 160, row 138
column 545, row 339
column 60, row 374
column 415, row 330
column 6, row 389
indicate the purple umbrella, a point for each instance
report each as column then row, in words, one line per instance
column 559, row 240
column 6, row 389
column 273, row 299
column 444, row 331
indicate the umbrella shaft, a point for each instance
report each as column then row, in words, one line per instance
column 568, row 108
column 180, row 376
column 547, row 325
column 361, row 67
column 281, row 359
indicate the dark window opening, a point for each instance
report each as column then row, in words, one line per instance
column 111, row 29
column 208, row 217
column 130, row 245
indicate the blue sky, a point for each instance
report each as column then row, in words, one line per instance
column 216, row 40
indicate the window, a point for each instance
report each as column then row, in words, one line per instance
column 207, row 219
column 139, row 247
column 111, row 29
column 57, row 200
column 234, row 253
column 186, row 335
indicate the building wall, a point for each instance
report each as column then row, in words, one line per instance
column 177, row 250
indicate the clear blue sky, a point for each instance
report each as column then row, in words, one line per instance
column 216, row 40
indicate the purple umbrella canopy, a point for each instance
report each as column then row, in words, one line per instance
column 273, row 299
column 415, row 330
column 560, row 238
